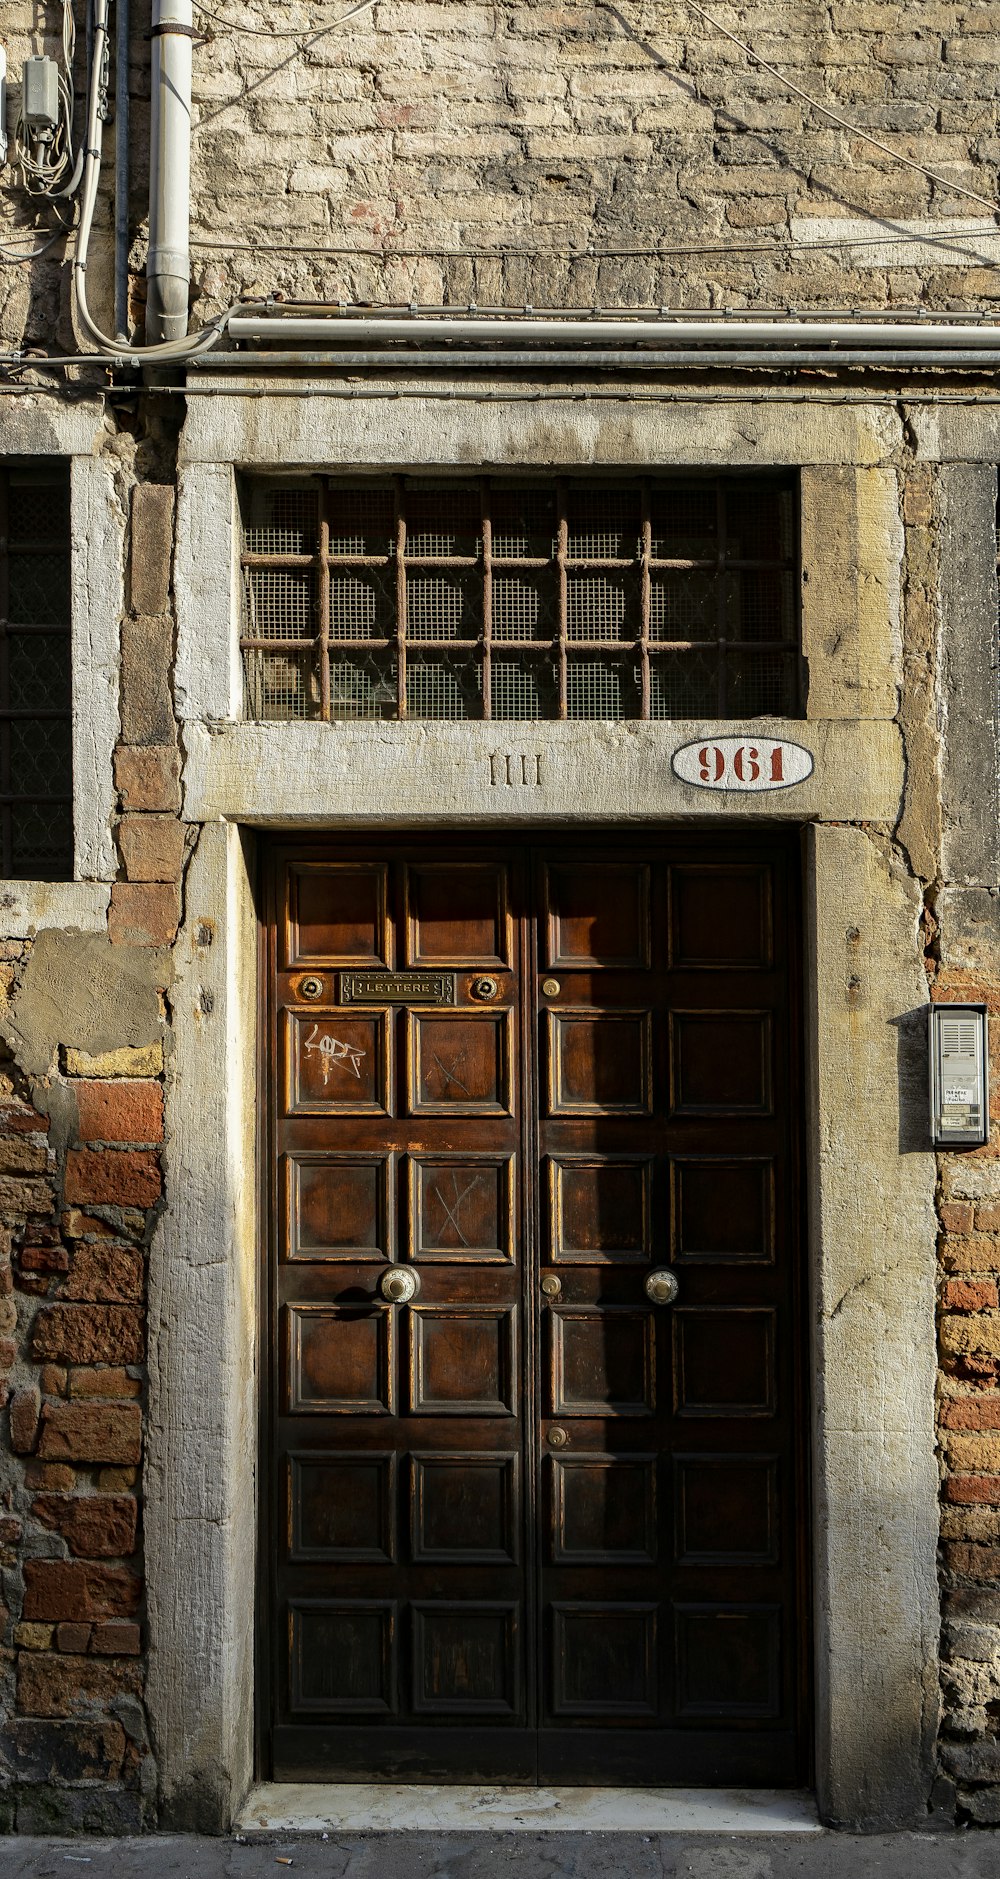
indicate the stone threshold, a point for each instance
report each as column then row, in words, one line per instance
column 316, row 1807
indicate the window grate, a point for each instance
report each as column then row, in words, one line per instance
column 36, row 753
column 432, row 598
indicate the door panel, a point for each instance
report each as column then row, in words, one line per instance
column 528, row 1524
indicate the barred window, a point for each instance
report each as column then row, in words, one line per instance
column 503, row 599
column 36, row 759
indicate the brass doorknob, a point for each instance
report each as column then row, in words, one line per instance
column 399, row 1285
column 558, row 1438
column 661, row 1286
column 550, row 1284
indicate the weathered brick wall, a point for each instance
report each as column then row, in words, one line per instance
column 559, row 154
column 81, row 1181
column 969, row 1424
column 76, row 1224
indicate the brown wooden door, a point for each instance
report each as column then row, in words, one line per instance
column 531, row 1523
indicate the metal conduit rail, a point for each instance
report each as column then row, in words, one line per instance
column 619, row 360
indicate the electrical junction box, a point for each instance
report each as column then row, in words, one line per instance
column 40, row 95
column 960, row 1095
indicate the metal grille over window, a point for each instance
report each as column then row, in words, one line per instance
column 36, row 759
column 427, row 598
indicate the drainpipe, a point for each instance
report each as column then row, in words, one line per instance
column 122, row 26
column 168, row 267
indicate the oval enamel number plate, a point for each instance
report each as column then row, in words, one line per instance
column 742, row 763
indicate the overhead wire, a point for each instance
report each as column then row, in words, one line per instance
column 363, row 6
column 836, row 117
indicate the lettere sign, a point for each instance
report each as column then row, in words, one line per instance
column 742, row 763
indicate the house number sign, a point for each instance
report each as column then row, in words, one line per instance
column 742, row 763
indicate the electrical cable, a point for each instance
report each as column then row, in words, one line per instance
column 168, row 351
column 943, row 182
column 939, row 239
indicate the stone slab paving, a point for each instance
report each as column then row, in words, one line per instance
column 506, row 1855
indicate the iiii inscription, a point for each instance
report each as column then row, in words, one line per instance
column 510, row 770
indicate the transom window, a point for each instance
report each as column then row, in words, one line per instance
column 432, row 598
column 36, row 751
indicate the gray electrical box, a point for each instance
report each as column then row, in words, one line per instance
column 40, row 96
column 960, row 1093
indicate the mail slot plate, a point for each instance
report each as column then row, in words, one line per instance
column 397, row 988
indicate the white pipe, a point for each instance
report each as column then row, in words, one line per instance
column 347, row 330
column 168, row 267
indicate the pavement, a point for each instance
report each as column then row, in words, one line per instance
column 513, row 1855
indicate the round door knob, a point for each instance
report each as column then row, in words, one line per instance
column 551, row 1284
column 399, row 1285
column 484, row 988
column 551, row 988
column 558, row 1438
column 661, row 1286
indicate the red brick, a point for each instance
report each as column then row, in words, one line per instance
column 105, row 1273
column 109, row 1382
column 20, row 1119
column 115, row 1638
column 8, row 1353
column 93, row 1526
column 971, row 1561
column 10, row 1529
column 24, row 1408
column 970, row 1295
column 60, row 1589
column 969, row 1489
column 6, row 1281
column 103, row 1432
column 956, row 1216
column 49, row 1685
column 981, row 1411
column 988, row 1217
column 52, row 1378
column 144, row 915
column 126, row 1110
column 148, row 777
column 43, row 1259
column 114, row 1177
column 152, row 847
column 72, row 1637
column 89, row 1334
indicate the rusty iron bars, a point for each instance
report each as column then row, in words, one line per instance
column 434, row 598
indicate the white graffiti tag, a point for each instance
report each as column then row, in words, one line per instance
column 332, row 1051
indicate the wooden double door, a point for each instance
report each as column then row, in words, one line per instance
column 536, row 1409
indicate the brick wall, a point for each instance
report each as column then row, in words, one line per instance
column 76, row 1224
column 551, row 153
column 969, row 1435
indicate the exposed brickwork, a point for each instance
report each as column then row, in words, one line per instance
column 72, row 1344
column 969, row 1435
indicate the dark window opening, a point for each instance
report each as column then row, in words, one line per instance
column 36, row 755
column 431, row 598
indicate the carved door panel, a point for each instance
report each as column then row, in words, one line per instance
column 526, row 1522
column 399, row 1464
column 669, row 1562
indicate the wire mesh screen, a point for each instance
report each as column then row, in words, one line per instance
column 434, row 598
column 36, row 752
